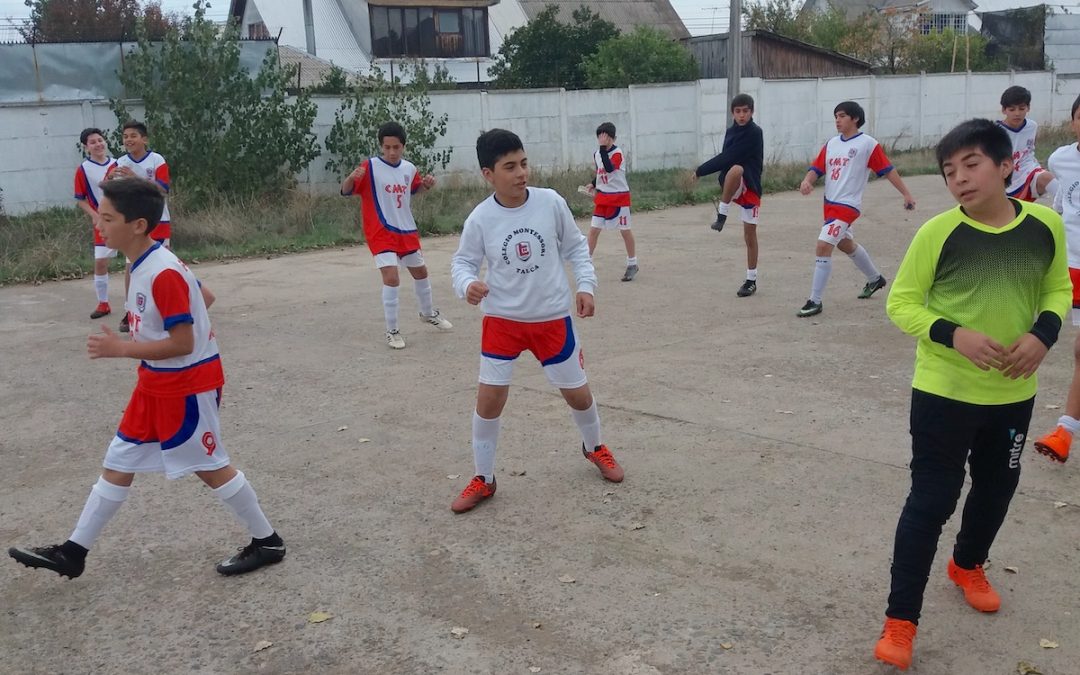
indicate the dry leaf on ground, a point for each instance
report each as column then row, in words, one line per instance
column 567, row 579
column 1048, row 644
column 459, row 632
column 637, row 526
column 518, row 473
column 1060, row 505
column 364, row 440
column 453, row 476
column 264, row 644
column 1012, row 570
column 319, row 617
column 726, row 645
column 342, row 428
column 1025, row 668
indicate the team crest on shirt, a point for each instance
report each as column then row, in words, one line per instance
column 852, row 152
column 525, row 244
column 524, row 251
column 140, row 302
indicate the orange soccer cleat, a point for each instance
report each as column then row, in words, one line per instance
column 1055, row 444
column 977, row 590
column 605, row 461
column 475, row 492
column 896, row 643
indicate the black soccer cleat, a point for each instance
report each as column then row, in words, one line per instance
column 748, row 288
column 872, row 287
column 250, row 558
column 50, row 558
column 811, row 308
column 720, row 220
column 631, row 272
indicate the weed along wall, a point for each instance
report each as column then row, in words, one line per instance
column 660, row 126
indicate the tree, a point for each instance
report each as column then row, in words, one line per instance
column 948, row 52
column 643, row 56
column 223, row 130
column 94, row 20
column 369, row 104
column 548, row 53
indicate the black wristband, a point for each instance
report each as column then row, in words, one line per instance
column 1046, row 328
column 942, row 332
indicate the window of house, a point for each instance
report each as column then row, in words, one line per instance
column 937, row 23
column 437, row 32
column 257, row 31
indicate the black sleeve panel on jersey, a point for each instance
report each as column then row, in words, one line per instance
column 608, row 166
column 1046, row 328
column 942, row 331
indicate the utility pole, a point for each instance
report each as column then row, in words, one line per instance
column 734, row 56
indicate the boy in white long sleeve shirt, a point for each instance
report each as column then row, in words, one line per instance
column 526, row 235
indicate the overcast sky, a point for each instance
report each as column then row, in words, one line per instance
column 700, row 16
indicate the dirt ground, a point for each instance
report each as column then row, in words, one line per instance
column 765, row 458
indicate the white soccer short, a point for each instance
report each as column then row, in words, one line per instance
column 835, row 231
column 749, row 211
column 391, row 259
column 103, row 252
column 194, row 444
column 619, row 220
column 554, row 343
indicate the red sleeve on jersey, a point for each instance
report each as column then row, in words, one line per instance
column 819, row 163
column 82, row 185
column 112, row 167
column 161, row 175
column 878, row 162
column 172, row 297
column 363, row 187
column 416, row 182
column 616, row 159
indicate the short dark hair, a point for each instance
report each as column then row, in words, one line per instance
column 137, row 126
column 852, row 110
column 494, row 144
column 1076, row 105
column 980, row 134
column 88, row 132
column 394, row 130
column 1015, row 95
column 135, row 198
column 606, row 128
column 741, row 100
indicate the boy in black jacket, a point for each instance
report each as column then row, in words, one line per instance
column 740, row 165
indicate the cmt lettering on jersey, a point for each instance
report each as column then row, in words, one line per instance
column 526, row 242
column 398, row 192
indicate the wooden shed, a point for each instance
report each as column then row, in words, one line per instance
column 771, row 56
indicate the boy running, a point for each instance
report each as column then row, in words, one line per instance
column 88, row 179
column 740, row 165
column 1065, row 164
column 846, row 162
column 611, row 196
column 984, row 287
column 1029, row 179
column 526, row 235
column 386, row 185
column 171, row 423
column 141, row 162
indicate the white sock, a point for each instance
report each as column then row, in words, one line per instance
column 631, row 261
column 101, row 285
column 390, row 306
column 239, row 497
column 822, row 270
column 104, row 501
column 485, row 438
column 862, row 260
column 588, row 422
column 1051, row 189
column 751, row 274
column 722, row 210
column 1071, row 424
column 423, row 296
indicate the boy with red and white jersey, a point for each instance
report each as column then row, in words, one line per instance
column 846, row 162
column 526, row 236
column 88, row 178
column 1029, row 180
column 171, row 423
column 611, row 196
column 141, row 162
column 1065, row 165
column 386, row 185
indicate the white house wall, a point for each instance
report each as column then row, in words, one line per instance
column 660, row 126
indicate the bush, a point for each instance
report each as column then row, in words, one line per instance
column 222, row 131
column 368, row 105
column 643, row 56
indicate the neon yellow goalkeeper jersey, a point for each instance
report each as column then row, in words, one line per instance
column 997, row 281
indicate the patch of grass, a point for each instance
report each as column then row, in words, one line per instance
column 55, row 243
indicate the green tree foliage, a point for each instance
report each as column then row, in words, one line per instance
column 371, row 103
column 334, row 81
column 947, row 52
column 222, row 130
column 548, row 53
column 645, row 55
column 94, row 20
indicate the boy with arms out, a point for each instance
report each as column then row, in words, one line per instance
column 88, row 179
column 984, row 287
column 1065, row 164
column 386, row 185
column 526, row 235
column 171, row 422
column 846, row 161
column 740, row 164
column 141, row 162
column 611, row 196
column 1029, row 179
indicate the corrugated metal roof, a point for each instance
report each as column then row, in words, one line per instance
column 625, row 14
